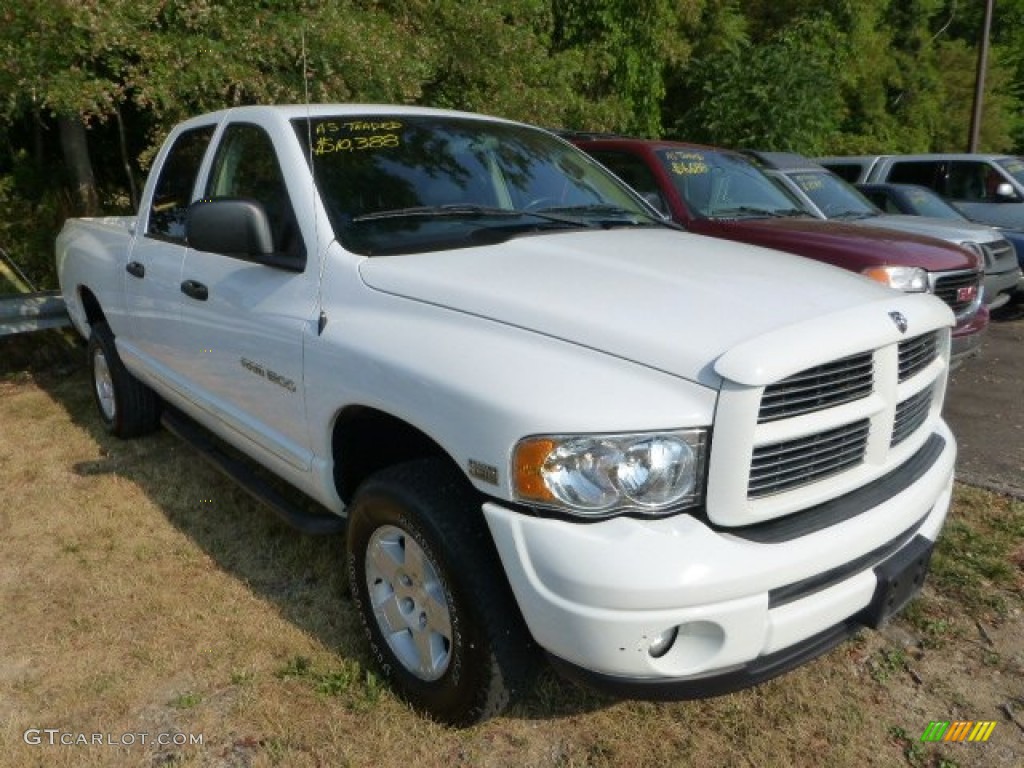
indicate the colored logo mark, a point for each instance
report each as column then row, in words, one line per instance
column 958, row 730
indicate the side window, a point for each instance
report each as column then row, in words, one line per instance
column 846, row 171
column 927, row 173
column 967, row 180
column 246, row 166
column 173, row 191
column 634, row 172
column 976, row 180
column 881, row 199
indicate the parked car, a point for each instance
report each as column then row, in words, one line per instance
column 826, row 195
column 543, row 415
column 724, row 194
column 915, row 200
column 986, row 188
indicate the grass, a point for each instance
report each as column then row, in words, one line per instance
column 144, row 593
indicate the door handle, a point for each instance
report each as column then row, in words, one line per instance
column 195, row 289
column 135, row 268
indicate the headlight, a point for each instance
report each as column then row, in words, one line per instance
column 906, row 279
column 597, row 475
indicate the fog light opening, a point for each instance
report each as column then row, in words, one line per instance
column 663, row 642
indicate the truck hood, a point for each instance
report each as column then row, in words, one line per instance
column 664, row 299
column 946, row 229
column 845, row 245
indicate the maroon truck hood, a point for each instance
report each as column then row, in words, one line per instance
column 844, row 245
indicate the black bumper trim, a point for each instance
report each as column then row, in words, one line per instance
column 801, row 589
column 846, row 507
column 746, row 676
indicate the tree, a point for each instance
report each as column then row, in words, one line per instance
column 779, row 94
column 627, row 50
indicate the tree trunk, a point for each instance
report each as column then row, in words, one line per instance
column 76, row 157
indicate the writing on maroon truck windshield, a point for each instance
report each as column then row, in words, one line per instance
column 355, row 136
column 808, row 182
column 686, row 163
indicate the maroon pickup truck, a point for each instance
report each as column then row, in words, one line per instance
column 721, row 193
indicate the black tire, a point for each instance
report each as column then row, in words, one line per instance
column 481, row 653
column 127, row 407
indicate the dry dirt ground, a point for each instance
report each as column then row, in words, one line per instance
column 985, row 406
column 143, row 595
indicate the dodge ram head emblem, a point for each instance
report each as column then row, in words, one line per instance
column 900, row 320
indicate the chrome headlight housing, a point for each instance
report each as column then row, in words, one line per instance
column 906, row 279
column 648, row 473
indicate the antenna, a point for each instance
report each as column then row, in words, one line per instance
column 322, row 319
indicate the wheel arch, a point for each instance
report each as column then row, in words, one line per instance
column 90, row 306
column 365, row 440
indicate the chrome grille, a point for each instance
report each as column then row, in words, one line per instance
column 910, row 415
column 824, row 386
column 997, row 251
column 953, row 289
column 917, row 353
column 790, row 464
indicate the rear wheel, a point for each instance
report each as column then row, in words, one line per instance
column 438, row 612
column 127, row 407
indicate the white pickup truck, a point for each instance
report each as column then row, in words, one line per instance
column 677, row 465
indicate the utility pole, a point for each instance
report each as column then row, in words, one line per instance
column 979, row 79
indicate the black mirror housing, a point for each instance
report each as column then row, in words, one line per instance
column 232, row 226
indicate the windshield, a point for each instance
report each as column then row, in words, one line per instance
column 833, row 196
column 927, row 203
column 1015, row 167
column 720, row 185
column 409, row 184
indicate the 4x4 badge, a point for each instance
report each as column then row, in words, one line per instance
column 900, row 320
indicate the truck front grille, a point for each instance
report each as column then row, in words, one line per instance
column 790, row 464
column 824, row 386
column 915, row 354
column 959, row 290
column 910, row 415
column 997, row 251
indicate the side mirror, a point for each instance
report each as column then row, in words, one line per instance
column 238, row 228
column 1005, row 191
column 230, row 226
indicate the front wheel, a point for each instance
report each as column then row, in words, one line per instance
column 440, row 617
column 127, row 407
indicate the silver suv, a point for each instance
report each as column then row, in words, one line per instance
column 826, row 195
column 986, row 188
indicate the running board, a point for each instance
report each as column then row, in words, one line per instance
column 317, row 524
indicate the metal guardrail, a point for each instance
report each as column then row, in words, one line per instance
column 25, row 312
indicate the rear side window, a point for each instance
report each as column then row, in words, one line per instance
column 846, row 171
column 927, row 173
column 173, row 192
column 634, row 172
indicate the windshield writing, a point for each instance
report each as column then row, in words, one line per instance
column 418, row 183
column 724, row 185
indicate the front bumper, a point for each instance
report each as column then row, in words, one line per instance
column 596, row 596
column 966, row 338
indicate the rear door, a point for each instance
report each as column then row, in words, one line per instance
column 152, row 282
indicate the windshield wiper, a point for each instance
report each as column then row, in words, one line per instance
column 453, row 209
column 854, row 215
column 465, row 210
column 749, row 211
column 607, row 214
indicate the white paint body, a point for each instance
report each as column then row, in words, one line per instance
column 561, row 333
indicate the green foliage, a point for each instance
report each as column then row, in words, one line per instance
column 833, row 76
column 627, row 48
column 781, row 94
